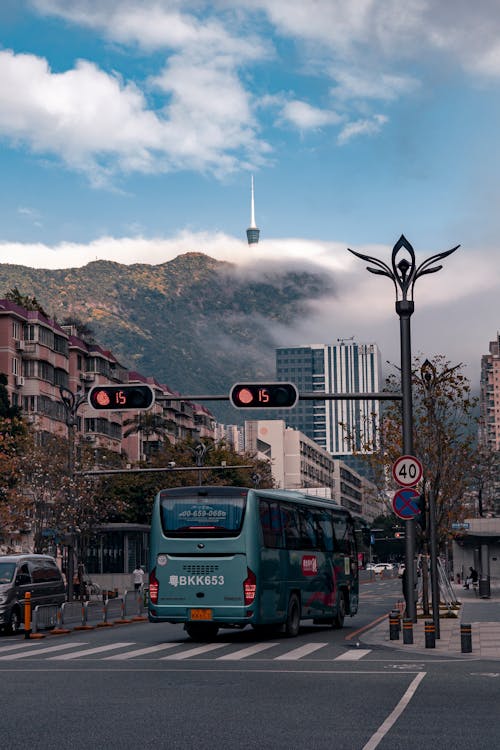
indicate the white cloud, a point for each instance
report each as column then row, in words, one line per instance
column 98, row 124
column 361, row 127
column 306, row 117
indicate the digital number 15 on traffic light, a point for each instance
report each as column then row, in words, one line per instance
column 263, row 395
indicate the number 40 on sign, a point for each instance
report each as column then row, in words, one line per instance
column 407, row 471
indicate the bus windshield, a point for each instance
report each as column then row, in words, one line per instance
column 202, row 515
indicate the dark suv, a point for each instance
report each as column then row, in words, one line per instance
column 19, row 574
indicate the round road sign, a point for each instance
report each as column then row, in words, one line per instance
column 407, row 471
column 404, row 503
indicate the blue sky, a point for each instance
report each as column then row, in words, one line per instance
column 129, row 131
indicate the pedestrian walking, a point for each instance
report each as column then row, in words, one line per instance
column 138, row 577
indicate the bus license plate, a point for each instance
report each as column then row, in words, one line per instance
column 201, row 614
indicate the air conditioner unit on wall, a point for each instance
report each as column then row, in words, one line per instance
column 89, row 438
column 20, row 346
column 19, row 381
column 88, row 377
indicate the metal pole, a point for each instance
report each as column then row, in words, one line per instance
column 404, row 309
column 434, row 573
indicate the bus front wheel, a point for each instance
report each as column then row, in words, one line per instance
column 202, row 632
column 338, row 620
column 292, row 623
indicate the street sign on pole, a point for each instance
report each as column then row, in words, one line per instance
column 405, row 503
column 407, row 471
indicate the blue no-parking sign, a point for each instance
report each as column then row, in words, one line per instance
column 405, row 503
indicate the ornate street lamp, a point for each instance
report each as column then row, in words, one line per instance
column 404, row 273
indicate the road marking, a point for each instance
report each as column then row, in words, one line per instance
column 301, row 651
column 140, row 652
column 195, row 651
column 88, row 651
column 353, row 655
column 379, row 735
column 244, row 652
column 14, row 646
column 36, row 652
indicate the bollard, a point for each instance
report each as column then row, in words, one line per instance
column 466, row 638
column 27, row 614
column 407, row 630
column 430, row 634
column 394, row 626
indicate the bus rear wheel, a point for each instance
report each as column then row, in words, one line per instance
column 292, row 623
column 338, row 620
column 202, row 632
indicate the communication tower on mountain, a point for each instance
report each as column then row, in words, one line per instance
column 253, row 231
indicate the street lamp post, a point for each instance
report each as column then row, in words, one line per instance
column 71, row 402
column 404, row 272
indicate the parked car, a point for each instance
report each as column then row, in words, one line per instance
column 19, row 574
column 382, row 567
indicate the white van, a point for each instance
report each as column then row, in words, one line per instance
column 19, row 574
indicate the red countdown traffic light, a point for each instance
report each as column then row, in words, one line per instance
column 121, row 397
column 263, row 395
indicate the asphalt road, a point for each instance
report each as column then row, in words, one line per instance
column 143, row 685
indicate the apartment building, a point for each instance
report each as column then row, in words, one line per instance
column 50, row 370
column 297, row 462
column 489, row 430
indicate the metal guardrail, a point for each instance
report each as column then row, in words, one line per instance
column 94, row 612
column 134, row 605
column 45, row 617
column 72, row 613
column 113, row 609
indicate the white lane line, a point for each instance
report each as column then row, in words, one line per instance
column 244, row 652
column 353, row 655
column 379, row 735
column 47, row 650
column 194, row 651
column 140, row 652
column 88, row 651
column 301, row 651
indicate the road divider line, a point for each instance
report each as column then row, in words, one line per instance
column 379, row 735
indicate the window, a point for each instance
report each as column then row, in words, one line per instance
column 270, row 520
column 291, row 523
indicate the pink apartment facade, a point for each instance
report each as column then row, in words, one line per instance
column 40, row 357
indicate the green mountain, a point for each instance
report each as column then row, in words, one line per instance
column 194, row 323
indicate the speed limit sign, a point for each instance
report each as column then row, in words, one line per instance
column 407, row 471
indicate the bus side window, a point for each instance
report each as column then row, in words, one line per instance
column 307, row 529
column 291, row 524
column 326, row 530
column 341, row 533
column 270, row 521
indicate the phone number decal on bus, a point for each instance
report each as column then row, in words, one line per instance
column 203, row 513
column 196, row 580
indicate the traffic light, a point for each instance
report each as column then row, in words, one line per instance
column 121, row 397
column 263, row 395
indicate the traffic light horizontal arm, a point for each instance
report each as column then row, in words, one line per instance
column 308, row 396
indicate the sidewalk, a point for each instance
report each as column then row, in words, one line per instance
column 483, row 615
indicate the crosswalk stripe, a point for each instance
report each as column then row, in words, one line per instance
column 47, row 650
column 140, row 652
column 195, row 651
column 14, row 646
column 298, row 653
column 88, row 651
column 244, row 652
column 353, row 655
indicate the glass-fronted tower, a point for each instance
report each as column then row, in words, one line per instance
column 341, row 427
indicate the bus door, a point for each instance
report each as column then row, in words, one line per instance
column 272, row 571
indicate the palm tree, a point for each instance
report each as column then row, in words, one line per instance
column 147, row 424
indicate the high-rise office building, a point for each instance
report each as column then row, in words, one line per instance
column 489, row 423
column 341, row 427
